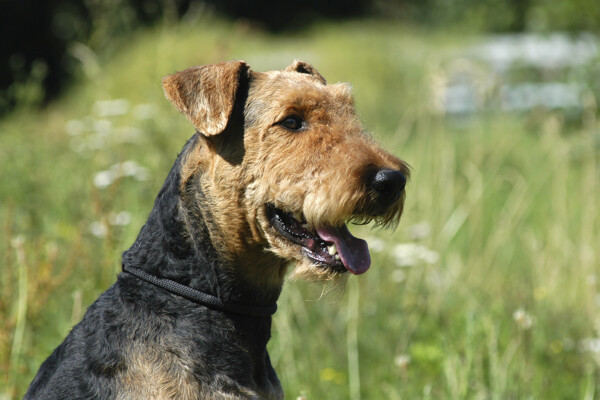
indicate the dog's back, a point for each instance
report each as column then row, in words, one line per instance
column 68, row 372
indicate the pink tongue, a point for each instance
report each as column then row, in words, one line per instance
column 353, row 252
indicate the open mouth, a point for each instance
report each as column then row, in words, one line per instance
column 328, row 246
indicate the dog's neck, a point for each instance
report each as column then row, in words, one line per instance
column 175, row 244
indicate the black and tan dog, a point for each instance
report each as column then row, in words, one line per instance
column 279, row 165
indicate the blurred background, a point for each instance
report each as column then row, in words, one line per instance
column 488, row 288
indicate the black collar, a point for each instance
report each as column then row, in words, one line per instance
column 202, row 298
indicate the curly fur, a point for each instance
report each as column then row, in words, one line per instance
column 209, row 230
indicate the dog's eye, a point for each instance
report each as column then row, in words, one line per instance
column 292, row 122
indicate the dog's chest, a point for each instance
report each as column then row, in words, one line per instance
column 158, row 373
column 153, row 373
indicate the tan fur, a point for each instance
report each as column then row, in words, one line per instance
column 157, row 374
column 161, row 374
column 318, row 172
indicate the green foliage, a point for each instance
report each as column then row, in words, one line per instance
column 488, row 288
column 573, row 15
column 496, row 15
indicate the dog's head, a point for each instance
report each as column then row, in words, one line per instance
column 286, row 161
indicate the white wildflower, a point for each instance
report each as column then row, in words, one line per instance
column 590, row 345
column 98, row 229
column 409, row 254
column 103, row 179
column 523, row 319
column 131, row 168
column 429, row 256
column 17, row 241
column 375, row 244
column 405, row 254
column 402, row 360
column 420, row 231
column 110, row 108
column 102, row 127
column 119, row 219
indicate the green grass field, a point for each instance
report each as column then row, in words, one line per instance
column 488, row 289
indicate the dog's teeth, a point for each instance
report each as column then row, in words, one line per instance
column 332, row 249
column 337, row 256
column 298, row 216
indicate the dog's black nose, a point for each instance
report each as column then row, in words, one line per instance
column 389, row 185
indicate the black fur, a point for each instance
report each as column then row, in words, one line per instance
column 87, row 364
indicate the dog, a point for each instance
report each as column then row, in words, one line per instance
column 278, row 166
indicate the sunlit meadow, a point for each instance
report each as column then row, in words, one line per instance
column 487, row 289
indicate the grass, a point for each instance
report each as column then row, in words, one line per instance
column 488, row 289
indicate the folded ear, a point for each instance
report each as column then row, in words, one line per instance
column 206, row 95
column 305, row 68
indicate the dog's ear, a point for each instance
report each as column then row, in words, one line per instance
column 206, row 95
column 305, row 68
